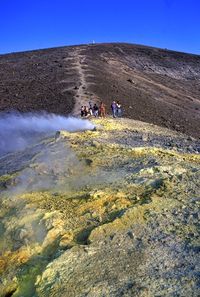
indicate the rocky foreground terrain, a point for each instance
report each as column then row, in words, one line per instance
column 109, row 212
column 154, row 85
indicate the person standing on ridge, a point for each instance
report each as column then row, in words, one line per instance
column 95, row 110
column 102, row 110
column 82, row 111
column 119, row 109
column 86, row 111
column 114, row 109
column 90, row 108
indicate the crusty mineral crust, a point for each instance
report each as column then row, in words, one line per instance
column 110, row 212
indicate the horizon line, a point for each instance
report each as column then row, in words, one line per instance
column 97, row 43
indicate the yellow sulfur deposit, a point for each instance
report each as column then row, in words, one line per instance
column 88, row 199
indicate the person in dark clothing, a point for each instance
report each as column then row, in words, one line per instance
column 82, row 111
column 95, row 110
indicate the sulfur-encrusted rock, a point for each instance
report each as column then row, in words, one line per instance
column 101, row 213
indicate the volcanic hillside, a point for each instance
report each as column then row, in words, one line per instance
column 154, row 85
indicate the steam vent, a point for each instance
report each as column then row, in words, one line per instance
column 109, row 212
column 109, row 208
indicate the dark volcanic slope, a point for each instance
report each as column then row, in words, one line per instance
column 154, row 85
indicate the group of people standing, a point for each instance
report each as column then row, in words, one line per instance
column 100, row 111
column 116, row 109
column 94, row 110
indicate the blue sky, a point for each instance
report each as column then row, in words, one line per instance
column 34, row 24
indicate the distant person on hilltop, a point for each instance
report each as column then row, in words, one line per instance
column 102, row 110
column 95, row 110
column 90, row 108
column 82, row 111
column 119, row 109
column 114, row 109
column 86, row 111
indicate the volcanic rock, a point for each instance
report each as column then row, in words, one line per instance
column 119, row 219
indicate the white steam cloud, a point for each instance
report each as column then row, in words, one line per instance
column 17, row 131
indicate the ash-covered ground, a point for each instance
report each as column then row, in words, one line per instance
column 154, row 85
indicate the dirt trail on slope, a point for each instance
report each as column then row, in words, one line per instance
column 83, row 97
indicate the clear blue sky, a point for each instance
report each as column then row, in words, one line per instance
column 34, row 24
